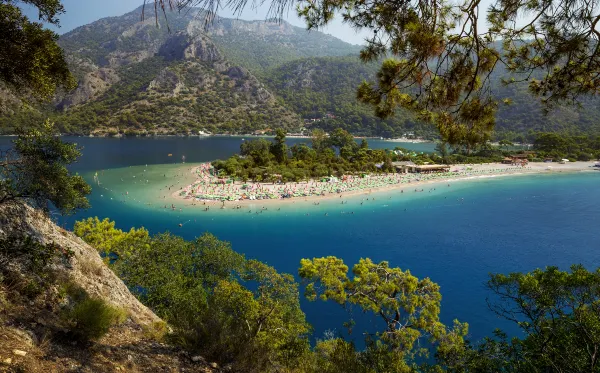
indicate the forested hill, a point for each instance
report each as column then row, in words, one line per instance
column 239, row 77
column 137, row 78
column 323, row 92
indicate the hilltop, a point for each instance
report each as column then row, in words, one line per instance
column 240, row 76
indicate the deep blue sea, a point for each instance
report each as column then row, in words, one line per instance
column 455, row 235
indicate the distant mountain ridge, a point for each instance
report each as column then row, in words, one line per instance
column 135, row 77
column 237, row 77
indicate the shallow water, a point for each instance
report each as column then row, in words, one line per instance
column 455, row 235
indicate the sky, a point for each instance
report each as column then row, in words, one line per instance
column 82, row 12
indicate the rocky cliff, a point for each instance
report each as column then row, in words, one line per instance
column 32, row 330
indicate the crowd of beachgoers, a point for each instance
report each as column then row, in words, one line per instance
column 209, row 187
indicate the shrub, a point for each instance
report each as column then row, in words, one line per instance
column 156, row 331
column 90, row 266
column 92, row 318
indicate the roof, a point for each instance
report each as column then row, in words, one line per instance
column 432, row 166
column 403, row 163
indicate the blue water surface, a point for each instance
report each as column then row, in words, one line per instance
column 455, row 235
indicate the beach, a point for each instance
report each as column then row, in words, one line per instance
column 206, row 190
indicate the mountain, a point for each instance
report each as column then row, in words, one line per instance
column 239, row 77
column 135, row 77
column 322, row 90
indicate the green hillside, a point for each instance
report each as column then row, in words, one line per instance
column 239, row 77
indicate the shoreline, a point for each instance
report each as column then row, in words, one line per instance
column 478, row 172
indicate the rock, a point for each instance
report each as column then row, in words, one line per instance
column 196, row 359
column 7, row 361
column 26, row 336
column 130, row 357
column 22, row 219
column 214, row 365
column 182, row 46
column 19, row 352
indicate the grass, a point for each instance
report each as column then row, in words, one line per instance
column 92, row 318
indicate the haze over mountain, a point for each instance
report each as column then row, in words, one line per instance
column 238, row 77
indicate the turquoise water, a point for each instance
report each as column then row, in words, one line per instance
column 454, row 235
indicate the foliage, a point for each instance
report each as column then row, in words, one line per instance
column 36, row 256
column 92, row 318
column 439, row 61
column 23, row 255
column 108, row 240
column 337, row 154
column 409, row 308
column 323, row 92
column 31, row 62
column 35, row 170
column 309, row 74
column 553, row 145
column 260, row 52
column 231, row 309
column 558, row 314
column 243, row 312
column 157, row 331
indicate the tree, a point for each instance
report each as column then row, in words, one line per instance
column 505, row 143
column 279, row 148
column 559, row 314
column 344, row 142
column 551, row 143
column 408, row 307
column 318, row 140
column 108, row 240
column 438, row 58
column 199, row 288
column 303, row 152
column 31, row 62
column 258, row 149
column 35, row 171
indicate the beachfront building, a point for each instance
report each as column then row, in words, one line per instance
column 403, row 167
column 431, row 168
column 410, row 167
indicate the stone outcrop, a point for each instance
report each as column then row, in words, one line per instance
column 19, row 219
column 93, row 84
column 183, row 46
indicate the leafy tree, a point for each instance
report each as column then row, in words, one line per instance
column 104, row 237
column 340, row 138
column 318, row 140
column 303, row 152
column 258, row 149
column 439, row 58
column 31, row 62
column 279, row 148
column 551, row 142
column 199, row 288
column 559, row 314
column 35, row 170
column 408, row 307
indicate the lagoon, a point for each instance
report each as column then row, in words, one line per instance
column 454, row 235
